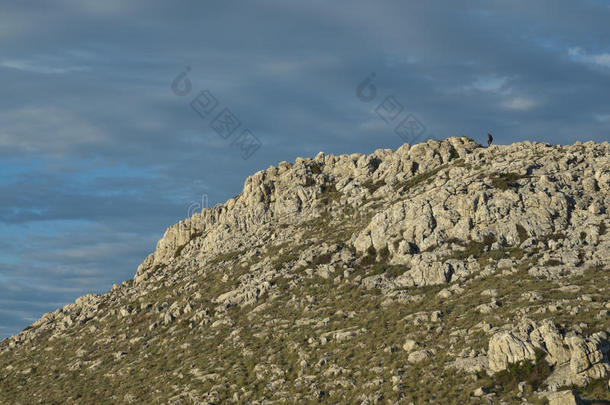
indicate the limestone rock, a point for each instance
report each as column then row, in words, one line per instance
column 419, row 355
column 505, row 348
column 566, row 397
column 410, row 345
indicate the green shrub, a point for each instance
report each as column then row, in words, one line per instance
column 384, row 253
column 373, row 186
column 504, row 181
column 418, row 179
column 554, row 236
column 472, row 248
column 378, row 268
column 315, row 168
column 321, row 259
column 370, row 258
column 179, row 250
column 225, row 257
column 522, row 233
column 532, row 372
column 330, row 194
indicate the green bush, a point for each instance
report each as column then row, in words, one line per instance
column 330, row 194
column 373, row 186
column 179, row 250
column 532, row 372
column 504, row 181
column 321, row 259
column 522, row 233
column 418, row 179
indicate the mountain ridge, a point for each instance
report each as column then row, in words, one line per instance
column 519, row 231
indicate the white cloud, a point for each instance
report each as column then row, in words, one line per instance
column 578, row 54
column 520, row 103
column 103, row 8
column 492, row 84
column 46, row 130
column 603, row 118
column 375, row 124
column 299, row 66
column 42, row 67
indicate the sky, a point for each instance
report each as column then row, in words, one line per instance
column 118, row 117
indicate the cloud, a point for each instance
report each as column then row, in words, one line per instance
column 578, row 54
column 300, row 65
column 33, row 67
column 520, row 103
column 103, row 8
column 492, row 84
column 46, row 129
column 603, row 118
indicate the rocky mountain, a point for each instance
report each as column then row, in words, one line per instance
column 442, row 273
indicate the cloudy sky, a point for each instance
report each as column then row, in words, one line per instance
column 103, row 145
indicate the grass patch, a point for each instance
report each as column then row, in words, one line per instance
column 522, row 233
column 225, row 257
column 373, row 186
column 179, row 250
column 370, row 257
column 597, row 389
column 315, row 168
column 384, row 253
column 388, row 269
column 472, row 248
column 504, row 181
column 321, row 259
column 330, row 194
column 462, row 163
column 417, row 180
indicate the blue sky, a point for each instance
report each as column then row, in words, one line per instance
column 98, row 155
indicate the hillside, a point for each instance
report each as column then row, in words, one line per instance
column 443, row 273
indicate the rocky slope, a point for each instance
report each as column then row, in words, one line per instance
column 441, row 273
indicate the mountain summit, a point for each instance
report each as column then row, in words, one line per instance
column 442, row 272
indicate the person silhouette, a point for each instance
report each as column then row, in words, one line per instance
column 490, row 139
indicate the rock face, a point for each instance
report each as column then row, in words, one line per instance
column 505, row 348
column 441, row 272
column 564, row 398
column 576, row 359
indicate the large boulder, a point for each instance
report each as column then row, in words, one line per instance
column 567, row 397
column 506, row 348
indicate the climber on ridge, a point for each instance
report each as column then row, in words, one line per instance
column 490, row 139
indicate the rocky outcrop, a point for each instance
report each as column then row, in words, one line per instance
column 564, row 398
column 575, row 359
column 506, row 348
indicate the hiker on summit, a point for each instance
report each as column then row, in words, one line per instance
column 490, row 139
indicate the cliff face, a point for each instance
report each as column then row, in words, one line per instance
column 481, row 271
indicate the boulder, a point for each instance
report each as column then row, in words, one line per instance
column 419, row 355
column 567, row 397
column 505, row 348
